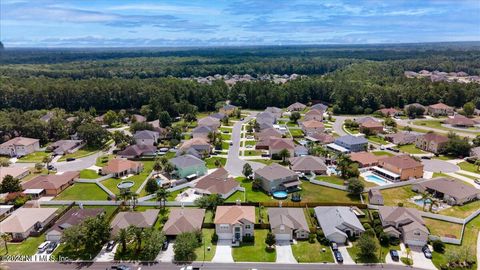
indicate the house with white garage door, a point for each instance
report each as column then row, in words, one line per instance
column 288, row 223
column 71, row 218
column 233, row 222
column 404, row 223
column 338, row 223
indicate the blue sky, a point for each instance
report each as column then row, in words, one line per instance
column 104, row 23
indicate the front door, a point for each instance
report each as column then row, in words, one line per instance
column 238, row 234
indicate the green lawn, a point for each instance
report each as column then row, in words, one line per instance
column 254, row 252
column 462, row 211
column 382, row 252
column 431, row 123
column 330, row 179
column 226, row 137
column 253, row 196
column 250, row 143
column 210, row 162
column 103, row 160
column 410, row 149
column 202, row 252
column 467, row 166
column 89, row 174
column 28, row 247
column 377, row 139
column 225, row 145
column 250, row 153
column 173, row 195
column 296, row 133
column 292, row 124
column 265, row 161
column 238, row 195
column 138, row 179
column 305, row 252
column 34, row 157
column 382, row 153
column 316, row 193
column 80, row 153
column 83, row 191
column 229, row 129
column 443, row 228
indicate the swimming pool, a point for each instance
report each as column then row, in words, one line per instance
column 376, row 179
column 420, row 202
column 280, row 195
column 332, row 170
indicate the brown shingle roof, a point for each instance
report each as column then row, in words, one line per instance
column 234, row 214
column 435, row 138
column 308, row 163
column 451, row 187
column 144, row 219
column 441, row 106
column 50, row 181
column 312, row 124
column 182, row 220
column 401, row 161
column 280, row 143
column 217, row 183
column 120, row 165
column 20, row 141
column 275, row 171
column 293, row 218
column 365, row 158
column 74, row 217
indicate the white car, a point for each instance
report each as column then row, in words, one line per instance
column 43, row 246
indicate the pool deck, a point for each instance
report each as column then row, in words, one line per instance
column 368, row 174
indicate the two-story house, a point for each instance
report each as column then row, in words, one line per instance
column 276, row 178
column 233, row 222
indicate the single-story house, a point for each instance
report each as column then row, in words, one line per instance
column 267, row 133
column 440, row 109
column 312, row 126
column 403, row 137
column 53, row 184
column 322, row 138
column 189, row 151
column 19, row 146
column 217, row 182
column 5, row 210
column 123, row 220
column 138, row 118
column 211, row 122
column 122, row 167
column 228, row 109
column 219, row 116
column 277, row 112
column 308, row 164
column 365, row 159
column 63, row 147
column 320, row 107
column 300, row 150
column 276, row 145
column 404, row 223
column 201, row 132
column 138, row 150
column 297, row 106
column 146, row 137
column 276, row 177
column 338, row 223
column 181, row 220
column 288, row 223
column 375, row 197
column 459, row 120
column 265, row 120
column 188, row 166
column 314, row 115
column 233, row 222
column 451, row 191
column 389, row 112
column 349, row 143
column 372, row 126
column 401, row 167
column 15, row 172
column 431, row 142
column 72, row 217
column 162, row 132
column 24, row 221
column 201, row 145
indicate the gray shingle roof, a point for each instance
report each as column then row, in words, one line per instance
column 186, row 161
column 351, row 140
column 333, row 218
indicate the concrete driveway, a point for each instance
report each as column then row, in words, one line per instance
column 284, row 252
column 105, row 256
column 419, row 259
column 435, row 165
column 346, row 256
column 223, row 253
column 167, row 255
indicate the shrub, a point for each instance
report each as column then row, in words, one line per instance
column 378, row 229
column 438, row 246
column 248, row 239
column 384, row 239
column 377, row 222
column 394, row 241
column 375, row 215
column 311, row 238
column 367, row 225
column 406, row 261
column 214, row 238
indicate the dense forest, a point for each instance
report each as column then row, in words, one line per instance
column 353, row 79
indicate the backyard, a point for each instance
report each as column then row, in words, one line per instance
column 443, row 228
column 138, row 179
column 83, row 192
column 254, row 252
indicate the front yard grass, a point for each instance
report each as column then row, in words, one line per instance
column 467, row 166
column 26, row 248
column 89, row 174
column 202, row 252
column 103, row 160
column 34, row 157
column 250, row 153
column 443, row 228
column 210, row 162
column 80, row 153
column 254, row 252
column 305, row 252
column 296, row 133
column 377, row 139
column 82, row 192
column 226, row 137
column 410, row 149
column 382, row 153
column 250, row 143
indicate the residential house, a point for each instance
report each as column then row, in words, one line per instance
column 6, row 210
column 234, row 222
column 277, row 112
column 276, row 177
column 138, row 118
column 404, row 223
column 403, row 137
column 265, row 120
column 72, row 217
column 188, row 166
column 228, row 109
column 288, row 223
column 25, row 221
column 124, row 220
column 365, row 159
column 211, row 122
column 440, row 109
column 349, row 143
column 53, row 184
column 267, row 133
column 122, row 167
column 375, row 197
column 19, row 146
column 201, row 132
column 338, row 223
column 297, row 106
column 314, row 115
column 459, row 120
column 138, row 150
column 157, row 127
column 475, row 152
column 372, row 127
column 431, row 142
column 320, row 107
column 219, row 116
column 308, row 164
column 146, row 137
column 312, row 127
column 451, row 191
column 322, row 138
column 15, row 172
column 402, row 167
column 300, row 150
column 201, row 145
column 276, row 145
column 189, row 151
column 63, row 147
column 389, row 112
column 217, row 182
column 182, row 220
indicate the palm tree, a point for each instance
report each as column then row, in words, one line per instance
column 433, row 202
column 168, row 167
column 477, row 163
column 284, row 154
column 137, row 233
column 124, row 195
column 157, row 166
column 425, row 196
column 134, row 197
column 6, row 237
column 123, row 237
column 162, row 196
column 47, row 160
column 343, row 163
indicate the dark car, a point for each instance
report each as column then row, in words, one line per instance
column 338, row 256
column 427, row 252
column 477, row 181
column 165, row 245
column 70, row 159
column 120, row 267
column 393, row 149
column 110, row 245
column 426, row 157
column 334, row 246
column 51, row 247
column 394, row 255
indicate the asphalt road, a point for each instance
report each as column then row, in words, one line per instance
column 206, row 266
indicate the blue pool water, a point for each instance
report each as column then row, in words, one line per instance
column 377, row 180
column 280, row 195
column 332, row 170
column 420, row 201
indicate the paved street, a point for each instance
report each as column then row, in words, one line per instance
column 234, row 164
column 436, row 165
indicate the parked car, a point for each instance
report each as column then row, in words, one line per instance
column 426, row 157
column 165, row 245
column 120, row 267
column 338, row 256
column 51, row 247
column 334, row 246
column 477, row 181
column 394, row 255
column 50, row 167
column 190, row 268
column 225, row 131
column 70, row 159
column 393, row 149
column 231, row 143
column 110, row 246
column 426, row 252
column 43, row 246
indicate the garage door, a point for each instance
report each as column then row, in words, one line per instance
column 283, row 237
column 225, row 236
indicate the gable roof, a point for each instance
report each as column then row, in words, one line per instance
column 144, row 219
column 281, row 143
column 275, row 171
column 208, row 121
column 296, row 106
column 146, row 135
column 119, row 165
column 364, row 158
column 451, row 187
column 186, row 161
column 137, row 150
column 429, row 137
column 402, row 162
column 217, row 182
column 293, row 218
column 234, row 214
column 184, row 220
column 74, row 217
column 393, row 214
column 333, row 218
column 24, row 218
column 50, row 181
column 21, row 141
column 307, row 163
column 320, row 107
column 351, row 140
column 440, row 105
column 312, row 124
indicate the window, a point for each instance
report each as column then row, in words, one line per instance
column 224, row 226
column 416, row 233
column 247, row 226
